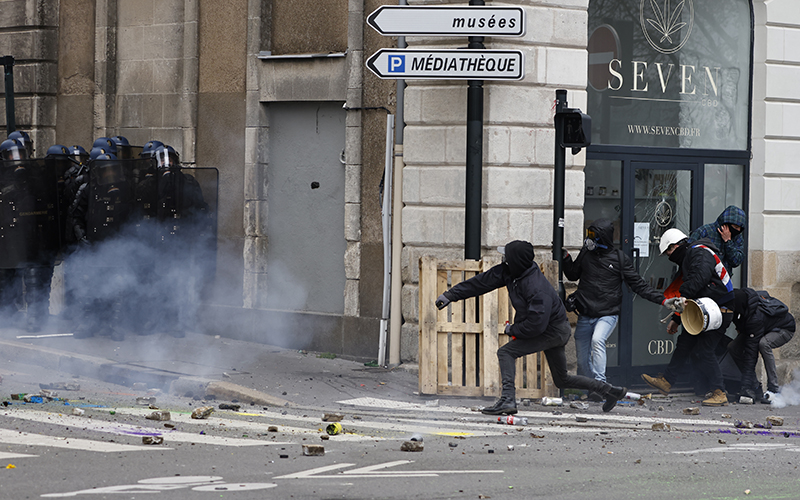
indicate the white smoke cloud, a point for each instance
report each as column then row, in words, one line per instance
column 790, row 393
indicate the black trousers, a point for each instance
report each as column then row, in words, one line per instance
column 703, row 346
column 552, row 343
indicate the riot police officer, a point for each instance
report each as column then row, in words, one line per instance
column 24, row 139
column 30, row 231
column 173, row 200
column 100, row 211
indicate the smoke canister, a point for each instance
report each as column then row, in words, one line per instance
column 546, row 401
column 512, row 420
column 334, row 429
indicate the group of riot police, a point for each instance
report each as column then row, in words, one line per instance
column 127, row 228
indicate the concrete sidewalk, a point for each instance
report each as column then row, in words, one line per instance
column 203, row 365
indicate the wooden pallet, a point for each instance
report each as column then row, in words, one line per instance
column 458, row 345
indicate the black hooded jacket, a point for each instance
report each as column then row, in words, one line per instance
column 700, row 278
column 535, row 301
column 601, row 272
column 751, row 320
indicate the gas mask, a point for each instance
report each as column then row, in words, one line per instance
column 592, row 243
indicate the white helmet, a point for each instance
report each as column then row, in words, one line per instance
column 670, row 237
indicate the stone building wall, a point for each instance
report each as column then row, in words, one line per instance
column 518, row 145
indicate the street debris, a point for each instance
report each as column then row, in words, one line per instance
column 417, row 437
column 661, row 426
column 18, row 397
column 546, row 401
column 332, row 417
column 635, row 396
column 579, row 418
column 272, row 428
column 202, row 412
column 226, row 406
column 511, row 447
column 78, row 411
column 452, row 445
column 313, row 450
column 283, row 456
column 334, row 429
column 143, row 401
column 412, row 446
column 743, row 424
column 432, row 402
column 60, row 386
column 161, row 415
column 152, row 440
column 721, row 441
column 490, row 450
column 579, row 405
column 726, row 415
column 692, row 410
column 537, row 436
column 169, row 426
column 512, row 420
column 324, row 437
column 746, row 400
column 775, row 420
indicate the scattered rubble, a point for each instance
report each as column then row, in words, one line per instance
column 61, row 386
column 546, row 401
column 692, row 410
column 226, row 406
column 152, row 440
column 313, row 450
column 272, row 428
column 412, row 446
column 775, row 420
column 743, row 424
column 661, row 426
column 142, row 401
column 579, row 405
column 332, row 417
column 162, row 415
column 78, row 411
column 202, row 412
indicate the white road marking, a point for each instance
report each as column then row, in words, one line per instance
column 744, row 448
column 373, row 471
column 7, row 456
column 159, row 484
column 133, row 430
column 28, row 439
column 400, row 405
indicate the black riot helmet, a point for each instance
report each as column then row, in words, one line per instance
column 167, row 158
column 107, row 171
column 150, row 148
column 124, row 151
column 13, row 149
column 24, row 139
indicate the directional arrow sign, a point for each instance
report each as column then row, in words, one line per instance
column 396, row 20
column 452, row 64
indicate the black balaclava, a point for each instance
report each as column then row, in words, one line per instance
column 739, row 303
column 680, row 252
column 519, row 257
column 602, row 231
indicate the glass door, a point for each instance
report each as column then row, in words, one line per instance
column 662, row 199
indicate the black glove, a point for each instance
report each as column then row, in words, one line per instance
column 442, row 301
column 508, row 329
column 564, row 253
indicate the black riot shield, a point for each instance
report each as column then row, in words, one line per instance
column 29, row 216
column 61, row 165
column 111, row 197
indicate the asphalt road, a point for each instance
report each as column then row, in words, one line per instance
column 101, row 454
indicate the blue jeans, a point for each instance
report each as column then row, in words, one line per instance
column 590, row 345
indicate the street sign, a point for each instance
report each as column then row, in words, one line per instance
column 448, row 64
column 396, row 20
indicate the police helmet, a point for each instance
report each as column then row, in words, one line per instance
column 13, row 149
column 167, row 158
column 104, row 142
column 98, row 151
column 79, row 154
column 24, row 139
column 57, row 150
column 123, row 147
column 150, row 148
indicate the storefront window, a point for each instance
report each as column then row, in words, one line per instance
column 669, row 73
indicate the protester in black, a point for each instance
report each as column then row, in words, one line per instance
column 540, row 324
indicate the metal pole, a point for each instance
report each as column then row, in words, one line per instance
column 559, row 168
column 8, row 65
column 474, row 184
column 386, row 216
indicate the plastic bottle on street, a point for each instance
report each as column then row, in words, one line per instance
column 512, row 420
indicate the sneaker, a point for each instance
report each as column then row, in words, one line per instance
column 612, row 396
column 718, row 398
column 503, row 406
column 659, row 383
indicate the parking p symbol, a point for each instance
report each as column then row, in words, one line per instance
column 397, row 64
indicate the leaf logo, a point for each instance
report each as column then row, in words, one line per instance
column 667, row 27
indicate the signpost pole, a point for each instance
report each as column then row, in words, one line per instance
column 474, row 184
column 559, row 168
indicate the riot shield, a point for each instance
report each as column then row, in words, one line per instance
column 111, row 197
column 29, row 217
